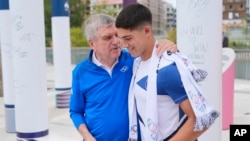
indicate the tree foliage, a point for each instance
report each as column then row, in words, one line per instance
column 105, row 9
column 78, row 12
column 77, row 38
column 47, row 17
column 172, row 35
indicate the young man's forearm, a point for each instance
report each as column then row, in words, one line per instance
column 186, row 132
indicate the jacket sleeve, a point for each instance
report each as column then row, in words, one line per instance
column 76, row 108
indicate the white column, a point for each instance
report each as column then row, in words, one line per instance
column 28, row 38
column 199, row 36
column 7, row 66
column 61, row 51
column 61, row 44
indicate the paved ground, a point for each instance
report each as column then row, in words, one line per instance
column 61, row 128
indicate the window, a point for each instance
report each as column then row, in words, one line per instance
column 236, row 15
column 230, row 15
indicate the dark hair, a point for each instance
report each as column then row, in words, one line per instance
column 133, row 16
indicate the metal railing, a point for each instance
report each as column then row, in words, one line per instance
column 242, row 54
column 242, row 58
column 77, row 54
column 242, row 63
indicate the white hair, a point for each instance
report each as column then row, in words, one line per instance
column 94, row 22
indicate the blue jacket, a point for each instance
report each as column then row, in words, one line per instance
column 101, row 101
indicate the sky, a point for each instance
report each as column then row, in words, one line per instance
column 173, row 2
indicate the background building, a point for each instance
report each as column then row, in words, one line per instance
column 236, row 22
column 113, row 7
column 248, row 12
column 158, row 11
column 235, row 13
column 110, row 7
column 234, row 9
column 170, row 16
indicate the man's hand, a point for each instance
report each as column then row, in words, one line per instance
column 166, row 45
column 90, row 138
column 83, row 130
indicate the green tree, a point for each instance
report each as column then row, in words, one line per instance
column 77, row 38
column 172, row 35
column 47, row 18
column 104, row 8
column 246, row 31
column 77, row 15
column 78, row 12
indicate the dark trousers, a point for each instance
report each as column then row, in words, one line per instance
column 169, row 138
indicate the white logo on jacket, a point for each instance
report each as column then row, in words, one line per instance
column 124, row 69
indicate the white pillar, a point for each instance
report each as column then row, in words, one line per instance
column 61, row 44
column 199, row 36
column 28, row 38
column 61, row 51
column 7, row 66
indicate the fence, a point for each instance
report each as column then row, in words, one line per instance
column 242, row 65
column 77, row 54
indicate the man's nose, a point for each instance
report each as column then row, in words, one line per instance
column 116, row 40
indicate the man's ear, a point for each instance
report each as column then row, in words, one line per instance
column 147, row 29
column 91, row 43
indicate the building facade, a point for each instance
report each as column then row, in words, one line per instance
column 158, row 12
column 235, row 13
column 234, row 9
column 110, row 7
column 113, row 7
column 170, row 16
column 248, row 12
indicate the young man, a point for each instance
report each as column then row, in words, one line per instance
column 162, row 89
column 99, row 101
